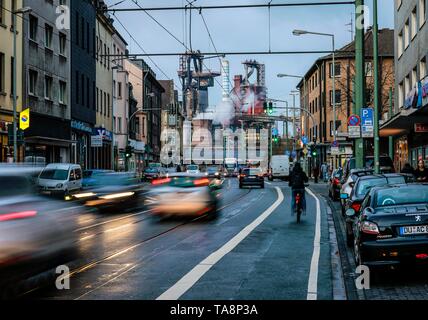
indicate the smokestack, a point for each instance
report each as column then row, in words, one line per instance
column 225, row 73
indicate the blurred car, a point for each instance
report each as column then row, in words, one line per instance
column 359, row 191
column 60, row 179
column 36, row 233
column 392, row 226
column 334, row 184
column 119, row 191
column 213, row 172
column 150, row 174
column 182, row 194
column 349, row 182
column 90, row 177
column 251, row 177
column 193, row 169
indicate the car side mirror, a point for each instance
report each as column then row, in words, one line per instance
column 352, row 184
column 351, row 213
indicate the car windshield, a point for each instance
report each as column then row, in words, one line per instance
column 402, row 196
column 192, row 168
column 151, row 170
column 16, row 185
column 364, row 186
column 369, row 162
column 54, row 174
column 212, row 169
column 104, row 180
column 252, row 172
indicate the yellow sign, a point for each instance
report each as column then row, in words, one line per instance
column 24, row 119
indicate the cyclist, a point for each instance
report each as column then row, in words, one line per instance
column 298, row 179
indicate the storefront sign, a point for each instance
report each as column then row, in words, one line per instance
column 421, row 127
column 24, row 119
column 105, row 134
column 81, row 126
column 96, row 141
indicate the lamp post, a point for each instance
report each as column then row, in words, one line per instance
column 294, row 93
column 376, row 85
column 15, row 143
column 333, row 72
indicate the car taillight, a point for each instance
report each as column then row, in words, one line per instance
column 201, row 182
column 356, row 206
column 336, row 181
column 17, row 215
column 369, row 228
column 161, row 181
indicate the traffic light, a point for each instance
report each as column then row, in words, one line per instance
column 128, row 152
column 265, row 107
column 270, row 108
column 314, row 151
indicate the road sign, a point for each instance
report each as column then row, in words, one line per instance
column 335, row 144
column 335, row 151
column 305, row 140
column 354, row 121
column 24, row 119
column 354, row 131
column 367, row 123
column 305, row 151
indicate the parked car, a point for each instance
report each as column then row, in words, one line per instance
column 349, row 182
column 251, row 177
column 334, row 184
column 119, row 191
column 182, row 194
column 392, row 226
column 90, row 177
column 386, row 164
column 359, row 191
column 60, row 179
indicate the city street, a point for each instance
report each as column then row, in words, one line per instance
column 133, row 256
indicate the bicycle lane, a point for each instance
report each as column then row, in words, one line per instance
column 277, row 261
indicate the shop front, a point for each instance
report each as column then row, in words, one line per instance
column 80, row 150
column 101, row 149
column 6, row 151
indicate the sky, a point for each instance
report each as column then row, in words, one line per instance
column 241, row 30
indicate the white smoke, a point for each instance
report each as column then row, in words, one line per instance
column 224, row 113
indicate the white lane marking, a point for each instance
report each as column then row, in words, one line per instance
column 109, row 221
column 268, row 183
column 190, row 279
column 313, row 275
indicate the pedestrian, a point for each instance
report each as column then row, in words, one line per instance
column 316, row 172
column 178, row 168
column 407, row 169
column 421, row 172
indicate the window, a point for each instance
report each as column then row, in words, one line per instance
column 407, row 34
column 414, row 78
column 77, row 87
column 2, row 72
column 48, row 36
column 119, row 90
column 32, row 81
column 62, row 44
column 1, row 12
column 105, row 103
column 119, row 124
column 12, row 61
column 336, row 69
column 108, row 104
column 422, row 13
column 33, row 27
column 48, row 88
column 369, row 69
column 338, row 97
column 82, row 83
column 414, row 24
column 400, row 44
column 62, row 92
column 98, row 99
column 97, row 41
column 401, row 95
column 407, row 85
column 423, row 68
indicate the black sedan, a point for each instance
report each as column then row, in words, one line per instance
column 114, row 191
column 334, row 184
column 251, row 177
column 361, row 188
column 392, row 227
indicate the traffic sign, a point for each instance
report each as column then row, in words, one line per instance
column 354, row 120
column 354, row 131
column 335, row 144
column 367, row 122
column 305, row 140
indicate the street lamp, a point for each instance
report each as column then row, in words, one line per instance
column 304, row 32
column 294, row 93
column 15, row 143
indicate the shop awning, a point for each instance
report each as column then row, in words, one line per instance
column 49, row 141
column 404, row 122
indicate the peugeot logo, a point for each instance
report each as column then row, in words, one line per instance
column 418, row 218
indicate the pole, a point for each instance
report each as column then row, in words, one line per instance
column 294, row 123
column 15, row 143
column 334, row 97
column 390, row 138
column 376, row 85
column 360, row 84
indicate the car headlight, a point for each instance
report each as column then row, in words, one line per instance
column 59, row 185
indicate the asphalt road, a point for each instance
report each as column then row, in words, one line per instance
column 254, row 250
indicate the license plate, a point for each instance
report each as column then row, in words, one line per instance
column 46, row 192
column 414, row 230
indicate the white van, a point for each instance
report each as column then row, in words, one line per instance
column 280, row 168
column 59, row 178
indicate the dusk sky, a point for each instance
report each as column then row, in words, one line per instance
column 242, row 30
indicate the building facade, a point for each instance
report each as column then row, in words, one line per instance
column 6, row 76
column 408, row 121
column 317, row 95
column 46, row 83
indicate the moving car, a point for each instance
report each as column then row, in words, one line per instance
column 152, row 173
column 251, row 177
column 359, row 191
column 60, row 179
column 36, row 234
column 334, row 184
column 213, row 172
column 182, row 194
column 349, row 182
column 119, row 191
column 392, row 226
column 280, row 168
column 193, row 169
column 90, row 177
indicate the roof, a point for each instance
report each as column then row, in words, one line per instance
column 386, row 49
